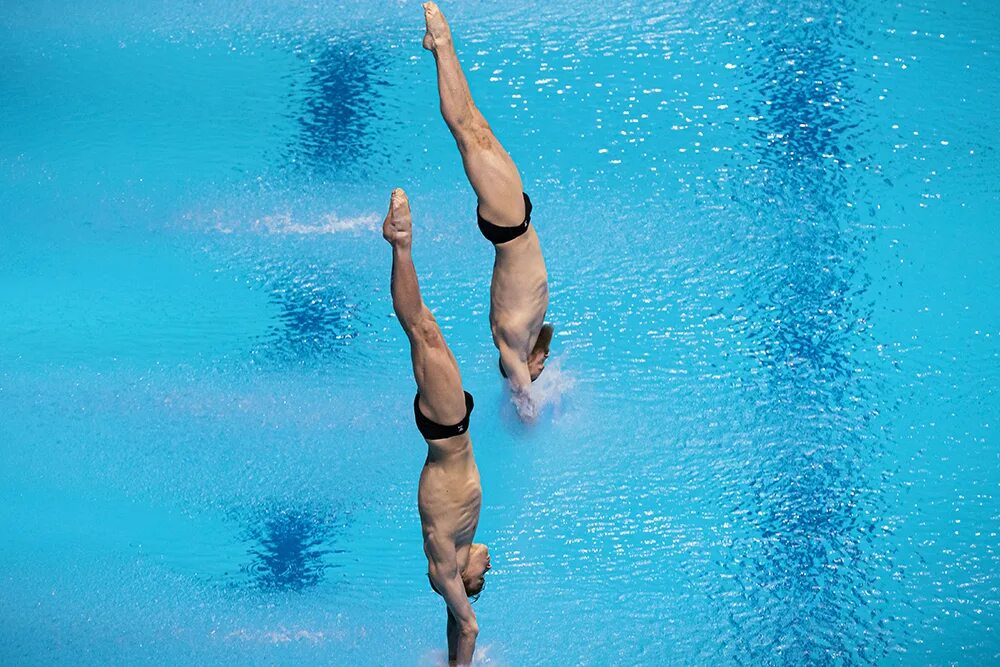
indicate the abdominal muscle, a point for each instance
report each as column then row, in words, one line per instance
column 449, row 498
column 519, row 293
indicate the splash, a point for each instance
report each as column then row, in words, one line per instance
column 280, row 635
column 285, row 223
column 546, row 394
column 439, row 657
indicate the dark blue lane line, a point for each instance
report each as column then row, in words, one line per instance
column 810, row 555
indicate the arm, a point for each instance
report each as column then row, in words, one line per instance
column 452, row 639
column 516, row 366
column 462, row 626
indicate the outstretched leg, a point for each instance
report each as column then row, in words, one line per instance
column 439, row 383
column 488, row 166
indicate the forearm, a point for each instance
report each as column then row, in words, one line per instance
column 462, row 626
column 406, row 300
column 516, row 367
column 466, row 646
column 519, row 378
column 452, row 639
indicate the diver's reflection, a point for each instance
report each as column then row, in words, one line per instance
column 289, row 548
column 340, row 103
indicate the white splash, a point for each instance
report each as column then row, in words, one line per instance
column 279, row 635
column 546, row 392
column 284, row 223
column 439, row 657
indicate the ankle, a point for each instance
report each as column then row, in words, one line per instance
column 444, row 47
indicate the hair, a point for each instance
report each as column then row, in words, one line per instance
column 474, row 585
column 544, row 339
column 473, row 589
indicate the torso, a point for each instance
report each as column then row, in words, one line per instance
column 450, row 496
column 519, row 293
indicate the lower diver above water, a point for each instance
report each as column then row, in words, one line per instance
column 449, row 496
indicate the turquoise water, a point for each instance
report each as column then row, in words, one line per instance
column 769, row 433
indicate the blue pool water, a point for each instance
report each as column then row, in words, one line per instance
column 771, row 236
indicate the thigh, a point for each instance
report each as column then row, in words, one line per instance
column 493, row 176
column 439, row 382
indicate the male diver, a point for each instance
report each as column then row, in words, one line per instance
column 519, row 293
column 449, row 495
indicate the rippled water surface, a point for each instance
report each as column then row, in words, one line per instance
column 770, row 233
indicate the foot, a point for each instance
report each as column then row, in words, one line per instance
column 438, row 33
column 398, row 226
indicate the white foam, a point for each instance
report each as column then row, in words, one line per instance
column 279, row 635
column 547, row 392
column 328, row 223
column 439, row 657
column 286, row 223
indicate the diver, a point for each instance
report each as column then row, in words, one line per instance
column 449, row 495
column 519, row 293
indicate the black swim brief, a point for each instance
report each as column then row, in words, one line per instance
column 431, row 430
column 496, row 234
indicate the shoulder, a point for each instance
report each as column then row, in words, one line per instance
column 440, row 551
column 511, row 336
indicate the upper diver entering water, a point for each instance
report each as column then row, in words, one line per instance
column 449, row 496
column 519, row 293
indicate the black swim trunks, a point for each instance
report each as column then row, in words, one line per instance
column 496, row 234
column 431, row 430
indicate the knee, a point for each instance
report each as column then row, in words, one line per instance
column 428, row 331
column 474, row 132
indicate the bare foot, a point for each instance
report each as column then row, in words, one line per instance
column 438, row 33
column 398, row 226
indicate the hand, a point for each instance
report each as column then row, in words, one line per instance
column 397, row 228
column 526, row 408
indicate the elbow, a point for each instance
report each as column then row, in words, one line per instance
column 470, row 629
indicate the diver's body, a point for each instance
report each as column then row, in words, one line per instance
column 449, row 496
column 519, row 292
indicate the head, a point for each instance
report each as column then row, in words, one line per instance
column 539, row 353
column 474, row 574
